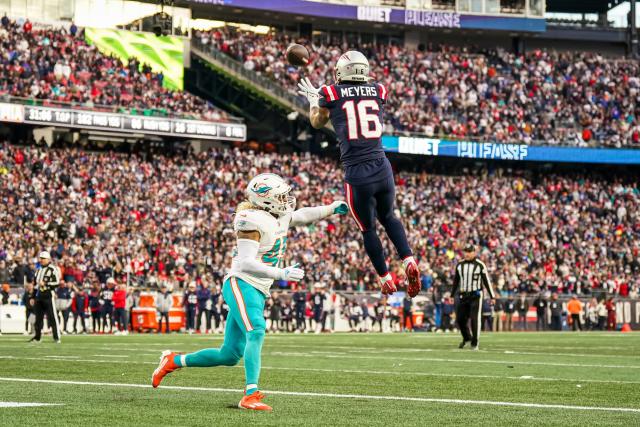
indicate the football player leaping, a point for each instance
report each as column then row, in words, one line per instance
column 261, row 225
column 355, row 107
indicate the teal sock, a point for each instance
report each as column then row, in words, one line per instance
column 252, row 357
column 208, row 357
column 177, row 360
column 251, row 388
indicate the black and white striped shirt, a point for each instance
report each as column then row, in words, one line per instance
column 47, row 279
column 470, row 277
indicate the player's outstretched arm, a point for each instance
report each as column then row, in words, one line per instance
column 318, row 116
column 308, row 215
column 246, row 261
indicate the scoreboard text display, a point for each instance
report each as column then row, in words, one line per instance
column 85, row 119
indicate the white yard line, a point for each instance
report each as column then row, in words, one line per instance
column 453, row 349
column 338, row 396
column 62, row 357
column 436, row 359
column 54, row 359
column 357, row 350
column 25, row 404
column 539, row 353
column 505, row 346
column 435, row 374
column 371, row 372
column 124, row 356
column 404, row 359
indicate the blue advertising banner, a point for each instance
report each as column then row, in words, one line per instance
column 384, row 14
column 502, row 151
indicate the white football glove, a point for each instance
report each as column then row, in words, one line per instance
column 292, row 273
column 310, row 92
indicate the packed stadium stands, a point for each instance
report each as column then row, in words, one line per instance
column 55, row 64
column 162, row 217
column 543, row 96
column 151, row 268
column 167, row 219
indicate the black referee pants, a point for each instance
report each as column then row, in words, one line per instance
column 469, row 309
column 42, row 307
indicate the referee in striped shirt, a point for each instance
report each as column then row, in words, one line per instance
column 47, row 280
column 471, row 276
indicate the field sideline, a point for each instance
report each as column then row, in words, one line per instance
column 339, row 379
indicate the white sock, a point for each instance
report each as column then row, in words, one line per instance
column 408, row 260
column 386, row 277
column 183, row 360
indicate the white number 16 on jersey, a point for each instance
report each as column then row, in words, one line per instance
column 359, row 119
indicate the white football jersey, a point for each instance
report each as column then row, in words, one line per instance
column 273, row 242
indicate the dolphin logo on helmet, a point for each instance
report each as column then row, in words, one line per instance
column 271, row 193
column 263, row 190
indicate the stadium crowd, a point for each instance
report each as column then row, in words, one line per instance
column 563, row 98
column 57, row 64
column 160, row 219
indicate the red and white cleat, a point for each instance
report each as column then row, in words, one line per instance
column 254, row 402
column 413, row 277
column 166, row 366
column 387, row 286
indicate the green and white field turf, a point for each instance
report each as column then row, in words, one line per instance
column 564, row 379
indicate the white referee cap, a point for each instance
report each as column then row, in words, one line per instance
column 44, row 255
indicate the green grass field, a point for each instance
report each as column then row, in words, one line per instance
column 340, row 379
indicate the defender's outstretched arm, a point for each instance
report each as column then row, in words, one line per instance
column 308, row 215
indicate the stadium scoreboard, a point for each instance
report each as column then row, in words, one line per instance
column 118, row 122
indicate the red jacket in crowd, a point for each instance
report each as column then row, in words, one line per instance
column 119, row 298
column 84, row 301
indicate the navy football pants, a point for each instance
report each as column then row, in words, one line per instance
column 368, row 201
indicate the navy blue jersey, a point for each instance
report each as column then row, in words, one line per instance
column 318, row 301
column 356, row 113
column 300, row 300
column 107, row 296
column 191, row 299
column 204, row 294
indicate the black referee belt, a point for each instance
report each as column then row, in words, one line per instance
column 470, row 294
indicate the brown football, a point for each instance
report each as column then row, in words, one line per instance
column 297, row 55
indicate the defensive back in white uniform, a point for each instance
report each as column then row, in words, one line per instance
column 261, row 226
column 272, row 244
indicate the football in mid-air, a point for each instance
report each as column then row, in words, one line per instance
column 297, row 55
